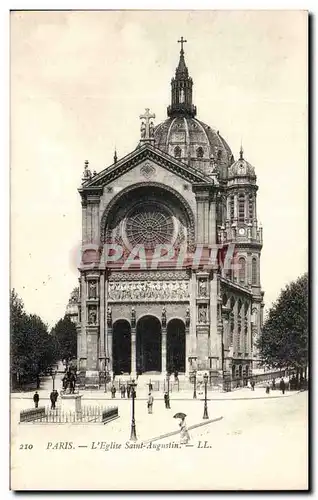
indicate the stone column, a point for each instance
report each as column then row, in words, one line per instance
column 235, row 333
column 163, row 349
column 235, row 207
column 133, row 351
column 109, row 336
column 102, row 349
column 191, row 345
column 212, row 220
column 202, row 199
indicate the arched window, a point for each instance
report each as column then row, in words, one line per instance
column 232, row 207
column 200, row 152
column 241, row 207
column 177, row 152
column 254, row 271
column 250, row 206
column 242, row 269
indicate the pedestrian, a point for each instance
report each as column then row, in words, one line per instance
column 113, row 391
column 53, row 400
column 167, row 401
column 36, row 398
column 282, row 385
column 56, row 395
column 274, row 384
column 267, row 388
column 176, row 374
column 184, row 433
column 252, row 385
column 150, row 386
column 150, row 402
column 123, row 391
column 128, row 391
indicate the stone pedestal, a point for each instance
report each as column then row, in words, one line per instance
column 92, row 379
column 72, row 402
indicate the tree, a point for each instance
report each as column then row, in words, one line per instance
column 284, row 338
column 33, row 350
column 66, row 337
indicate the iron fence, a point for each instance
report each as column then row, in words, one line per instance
column 88, row 414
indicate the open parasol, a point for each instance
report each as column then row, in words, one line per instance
column 179, row 415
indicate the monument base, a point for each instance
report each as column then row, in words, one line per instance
column 92, row 379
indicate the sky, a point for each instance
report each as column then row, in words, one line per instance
column 80, row 80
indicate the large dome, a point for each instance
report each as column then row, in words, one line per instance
column 194, row 142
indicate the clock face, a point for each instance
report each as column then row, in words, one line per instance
column 241, row 231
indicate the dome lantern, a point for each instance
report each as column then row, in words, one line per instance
column 181, row 90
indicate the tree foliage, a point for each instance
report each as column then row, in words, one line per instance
column 33, row 350
column 66, row 337
column 284, row 338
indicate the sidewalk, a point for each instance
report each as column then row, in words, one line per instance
column 142, row 394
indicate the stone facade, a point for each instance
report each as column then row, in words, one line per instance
column 154, row 292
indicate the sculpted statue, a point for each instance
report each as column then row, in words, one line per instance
column 164, row 316
column 151, row 129
column 92, row 290
column 188, row 316
column 143, row 130
column 133, row 317
column 202, row 288
column 109, row 316
column 92, row 317
column 202, row 315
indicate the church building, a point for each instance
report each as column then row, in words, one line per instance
column 171, row 245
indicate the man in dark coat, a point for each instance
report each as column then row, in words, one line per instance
column 36, row 398
column 113, row 391
column 53, row 400
column 167, row 400
column 128, row 391
column 282, row 385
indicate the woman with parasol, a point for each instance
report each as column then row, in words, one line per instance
column 184, row 434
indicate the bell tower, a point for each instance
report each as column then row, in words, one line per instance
column 242, row 229
column 181, row 90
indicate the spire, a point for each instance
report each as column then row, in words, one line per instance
column 181, row 89
column 182, row 70
column 241, row 152
column 115, row 155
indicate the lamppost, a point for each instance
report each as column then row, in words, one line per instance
column 133, row 435
column 168, row 383
column 194, row 384
column 205, row 414
column 53, row 375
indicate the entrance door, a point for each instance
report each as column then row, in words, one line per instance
column 148, row 345
column 121, row 347
column 176, row 346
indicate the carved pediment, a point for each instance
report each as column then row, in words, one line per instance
column 146, row 152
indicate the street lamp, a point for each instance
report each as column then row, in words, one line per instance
column 53, row 375
column 194, row 384
column 168, row 383
column 133, row 435
column 205, row 414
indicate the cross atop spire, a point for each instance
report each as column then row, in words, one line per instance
column 241, row 152
column 182, row 41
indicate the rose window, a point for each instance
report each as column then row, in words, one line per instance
column 149, row 225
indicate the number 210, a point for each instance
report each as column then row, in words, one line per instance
column 26, row 446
